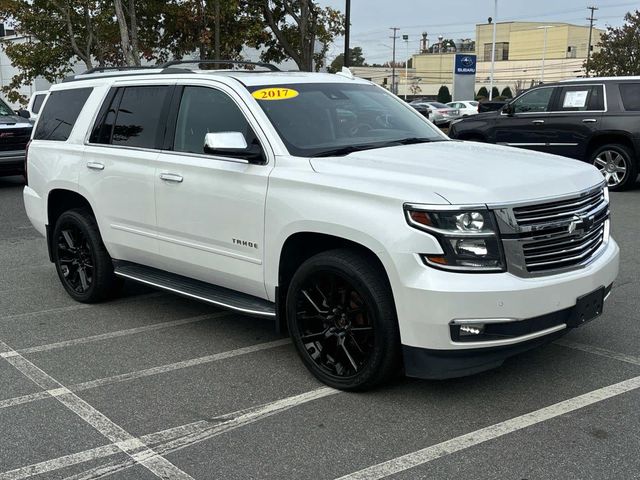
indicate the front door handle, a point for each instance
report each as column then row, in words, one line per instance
column 537, row 122
column 171, row 177
column 589, row 120
column 95, row 166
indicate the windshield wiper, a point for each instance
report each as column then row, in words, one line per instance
column 412, row 141
column 341, row 151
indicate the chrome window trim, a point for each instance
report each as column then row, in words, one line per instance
column 563, row 112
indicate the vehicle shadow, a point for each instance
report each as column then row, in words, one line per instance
column 12, row 182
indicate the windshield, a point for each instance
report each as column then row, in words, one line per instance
column 5, row 109
column 323, row 118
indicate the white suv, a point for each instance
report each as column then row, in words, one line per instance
column 325, row 203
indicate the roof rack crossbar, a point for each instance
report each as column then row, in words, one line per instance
column 268, row 66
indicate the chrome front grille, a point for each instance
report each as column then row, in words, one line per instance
column 553, row 236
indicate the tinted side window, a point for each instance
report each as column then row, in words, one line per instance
column 533, row 101
column 141, row 117
column 581, row 98
column 205, row 110
column 60, row 114
column 630, row 93
column 37, row 103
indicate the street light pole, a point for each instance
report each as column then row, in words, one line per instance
column 347, row 27
column 493, row 49
column 544, row 51
column 440, row 37
column 393, row 62
column 406, row 67
column 591, row 19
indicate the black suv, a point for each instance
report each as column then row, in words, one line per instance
column 15, row 132
column 592, row 119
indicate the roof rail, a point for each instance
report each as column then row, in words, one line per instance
column 118, row 69
column 268, row 66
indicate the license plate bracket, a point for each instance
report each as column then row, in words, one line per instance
column 587, row 308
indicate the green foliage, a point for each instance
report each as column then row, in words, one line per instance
column 483, row 92
column 443, row 94
column 506, row 93
column 356, row 59
column 495, row 92
column 619, row 49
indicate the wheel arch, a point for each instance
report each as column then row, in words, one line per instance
column 302, row 245
column 609, row 137
column 59, row 200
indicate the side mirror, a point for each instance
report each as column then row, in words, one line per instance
column 232, row 144
column 24, row 114
column 508, row 109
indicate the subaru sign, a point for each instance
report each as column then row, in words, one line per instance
column 464, row 76
column 465, row 64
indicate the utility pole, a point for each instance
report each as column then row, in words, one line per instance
column 406, row 67
column 393, row 62
column 493, row 49
column 216, row 31
column 544, row 51
column 591, row 20
column 347, row 27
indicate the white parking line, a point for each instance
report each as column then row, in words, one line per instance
column 603, row 352
column 166, row 441
column 122, row 333
column 126, row 442
column 125, row 377
column 79, row 306
column 491, row 432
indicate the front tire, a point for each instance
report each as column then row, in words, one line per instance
column 81, row 259
column 617, row 165
column 342, row 320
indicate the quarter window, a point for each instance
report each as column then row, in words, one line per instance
column 60, row 114
column 534, row 101
column 37, row 103
column 206, row 110
column 630, row 93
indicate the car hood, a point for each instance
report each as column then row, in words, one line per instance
column 14, row 121
column 463, row 172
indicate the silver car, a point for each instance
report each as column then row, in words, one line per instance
column 441, row 114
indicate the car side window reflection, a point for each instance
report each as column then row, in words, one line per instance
column 534, row 101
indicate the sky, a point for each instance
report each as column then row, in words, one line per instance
column 371, row 19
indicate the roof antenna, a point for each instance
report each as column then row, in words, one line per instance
column 345, row 72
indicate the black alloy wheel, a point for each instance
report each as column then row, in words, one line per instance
column 341, row 317
column 81, row 259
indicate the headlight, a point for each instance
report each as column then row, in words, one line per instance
column 469, row 238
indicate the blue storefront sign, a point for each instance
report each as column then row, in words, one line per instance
column 465, row 64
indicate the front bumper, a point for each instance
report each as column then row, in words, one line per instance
column 428, row 301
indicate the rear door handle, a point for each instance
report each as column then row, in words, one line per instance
column 537, row 122
column 589, row 120
column 171, row 177
column 95, row 166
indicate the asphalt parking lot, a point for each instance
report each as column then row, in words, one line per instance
column 153, row 385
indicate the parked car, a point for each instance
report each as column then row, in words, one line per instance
column 590, row 119
column 322, row 202
column 424, row 110
column 15, row 131
column 35, row 104
column 491, row 106
column 466, row 108
column 441, row 114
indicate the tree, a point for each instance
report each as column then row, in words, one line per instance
column 619, row 49
column 128, row 32
column 506, row 92
column 356, row 59
column 443, row 94
column 294, row 27
column 483, row 93
column 495, row 92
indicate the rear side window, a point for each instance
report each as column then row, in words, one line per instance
column 60, row 115
column 37, row 103
column 581, row 98
column 630, row 93
column 133, row 117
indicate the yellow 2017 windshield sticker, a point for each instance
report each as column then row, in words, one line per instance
column 275, row 93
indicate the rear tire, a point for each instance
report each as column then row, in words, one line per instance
column 617, row 164
column 81, row 259
column 342, row 320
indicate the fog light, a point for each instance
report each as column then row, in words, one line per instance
column 471, row 330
